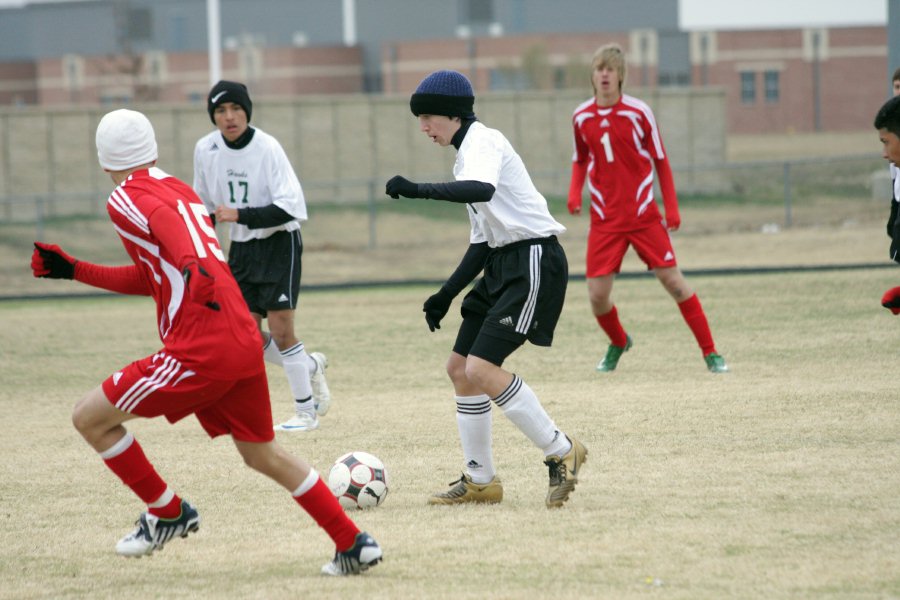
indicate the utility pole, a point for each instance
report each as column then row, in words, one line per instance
column 349, row 14
column 893, row 35
column 214, row 35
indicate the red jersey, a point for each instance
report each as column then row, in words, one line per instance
column 223, row 343
column 619, row 146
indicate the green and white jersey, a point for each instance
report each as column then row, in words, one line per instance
column 255, row 176
column 517, row 211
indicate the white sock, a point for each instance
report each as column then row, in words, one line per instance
column 294, row 361
column 271, row 353
column 474, row 420
column 119, row 447
column 520, row 404
column 305, row 406
column 307, row 484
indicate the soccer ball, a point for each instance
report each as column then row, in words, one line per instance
column 358, row 480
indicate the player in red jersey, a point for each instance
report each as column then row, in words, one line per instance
column 211, row 363
column 617, row 146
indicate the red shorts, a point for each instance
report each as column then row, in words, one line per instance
column 606, row 249
column 160, row 386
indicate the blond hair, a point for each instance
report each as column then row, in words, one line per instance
column 612, row 56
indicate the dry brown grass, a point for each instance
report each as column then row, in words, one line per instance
column 412, row 246
column 802, row 145
column 778, row 480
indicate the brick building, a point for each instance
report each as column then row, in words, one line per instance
column 777, row 81
column 795, row 79
column 785, row 80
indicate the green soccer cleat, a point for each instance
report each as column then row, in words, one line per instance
column 715, row 363
column 613, row 354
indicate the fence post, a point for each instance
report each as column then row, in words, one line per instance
column 373, row 214
column 39, row 217
column 787, row 194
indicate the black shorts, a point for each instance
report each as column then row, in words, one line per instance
column 268, row 271
column 519, row 298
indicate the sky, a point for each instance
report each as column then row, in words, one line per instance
column 754, row 14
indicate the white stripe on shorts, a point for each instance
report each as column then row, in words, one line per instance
column 164, row 375
column 534, row 265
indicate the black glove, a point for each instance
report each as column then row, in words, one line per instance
column 894, row 253
column 892, row 218
column 436, row 308
column 201, row 286
column 401, row 186
column 49, row 260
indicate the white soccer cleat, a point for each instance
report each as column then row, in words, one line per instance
column 304, row 422
column 152, row 532
column 365, row 553
column 320, row 392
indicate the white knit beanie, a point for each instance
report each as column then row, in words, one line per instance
column 125, row 139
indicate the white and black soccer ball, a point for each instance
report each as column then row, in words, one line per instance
column 358, row 480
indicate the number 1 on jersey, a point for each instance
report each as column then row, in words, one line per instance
column 607, row 147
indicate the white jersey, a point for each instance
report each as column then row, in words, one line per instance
column 517, row 211
column 255, row 176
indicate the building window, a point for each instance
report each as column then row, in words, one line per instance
column 772, row 88
column 479, row 11
column 509, row 80
column 140, row 24
column 673, row 79
column 113, row 98
column 178, row 33
column 748, row 87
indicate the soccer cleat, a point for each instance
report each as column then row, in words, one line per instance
column 613, row 354
column 364, row 553
column 153, row 532
column 304, row 422
column 715, row 363
column 466, row 491
column 564, row 473
column 320, row 392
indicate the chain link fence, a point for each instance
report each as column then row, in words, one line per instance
column 356, row 233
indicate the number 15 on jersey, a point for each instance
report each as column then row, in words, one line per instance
column 195, row 217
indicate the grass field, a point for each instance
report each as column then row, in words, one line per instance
column 778, row 480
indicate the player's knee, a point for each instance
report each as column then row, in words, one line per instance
column 456, row 371
column 79, row 419
column 600, row 298
column 477, row 372
column 283, row 339
column 84, row 417
column 260, row 457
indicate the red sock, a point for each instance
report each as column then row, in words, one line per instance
column 170, row 510
column 324, row 508
column 135, row 471
column 609, row 322
column 695, row 318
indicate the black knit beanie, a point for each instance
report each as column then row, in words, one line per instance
column 228, row 91
column 446, row 93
